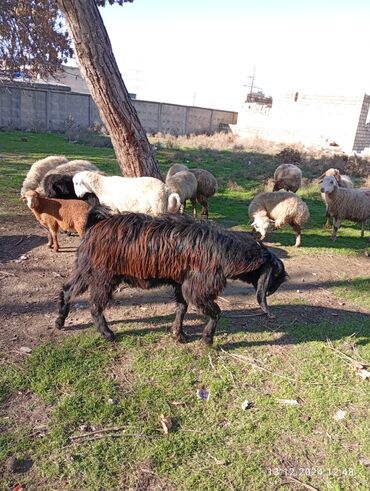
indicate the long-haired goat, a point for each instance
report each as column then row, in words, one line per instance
column 196, row 258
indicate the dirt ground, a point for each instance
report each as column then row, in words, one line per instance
column 31, row 276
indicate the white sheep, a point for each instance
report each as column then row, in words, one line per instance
column 345, row 204
column 343, row 180
column 183, row 183
column 69, row 169
column 39, row 169
column 273, row 210
column 139, row 194
column 288, row 177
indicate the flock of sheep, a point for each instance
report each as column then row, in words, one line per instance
column 138, row 233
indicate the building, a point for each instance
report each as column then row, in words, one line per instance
column 313, row 120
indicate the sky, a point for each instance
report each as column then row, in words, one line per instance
column 204, row 52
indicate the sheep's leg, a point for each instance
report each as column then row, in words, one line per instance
column 327, row 216
column 193, row 204
column 50, row 240
column 203, row 201
column 297, row 229
column 214, row 312
column 181, row 309
column 362, row 229
column 53, row 230
column 336, row 225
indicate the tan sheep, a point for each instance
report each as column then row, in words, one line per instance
column 38, row 170
column 345, row 204
column 68, row 214
column 207, row 184
column 288, row 177
column 207, row 187
column 343, row 181
column 273, row 210
column 185, row 184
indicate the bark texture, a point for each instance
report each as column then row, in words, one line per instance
column 100, row 70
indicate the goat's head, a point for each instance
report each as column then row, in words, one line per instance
column 267, row 279
column 329, row 184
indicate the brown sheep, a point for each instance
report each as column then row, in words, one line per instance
column 67, row 214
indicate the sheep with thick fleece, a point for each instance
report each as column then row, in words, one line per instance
column 343, row 180
column 273, row 210
column 61, row 186
column 183, row 183
column 70, row 215
column 140, row 194
column 39, row 169
column 176, row 168
column 345, row 204
column 207, row 184
column 288, row 177
column 70, row 169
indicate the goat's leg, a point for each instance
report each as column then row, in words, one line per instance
column 181, row 309
column 297, row 229
column 63, row 305
column 214, row 312
column 73, row 288
column 99, row 298
column 362, row 229
column 336, row 225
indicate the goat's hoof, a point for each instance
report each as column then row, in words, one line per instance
column 181, row 337
column 109, row 335
column 59, row 324
column 208, row 340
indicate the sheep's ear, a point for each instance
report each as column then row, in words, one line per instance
column 253, row 224
column 23, row 198
column 271, row 221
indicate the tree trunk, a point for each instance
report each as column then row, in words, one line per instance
column 99, row 68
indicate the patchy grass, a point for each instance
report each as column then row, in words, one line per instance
column 213, row 444
column 355, row 290
column 82, row 384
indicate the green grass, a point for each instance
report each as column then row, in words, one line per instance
column 213, row 444
column 355, row 290
column 83, row 381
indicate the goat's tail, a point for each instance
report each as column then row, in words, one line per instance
column 76, row 286
column 97, row 214
column 174, row 203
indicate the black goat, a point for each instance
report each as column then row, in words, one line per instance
column 196, row 258
column 61, row 186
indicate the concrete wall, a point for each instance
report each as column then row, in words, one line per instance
column 46, row 107
column 309, row 119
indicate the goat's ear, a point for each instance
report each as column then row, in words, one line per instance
column 262, row 286
column 23, row 198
